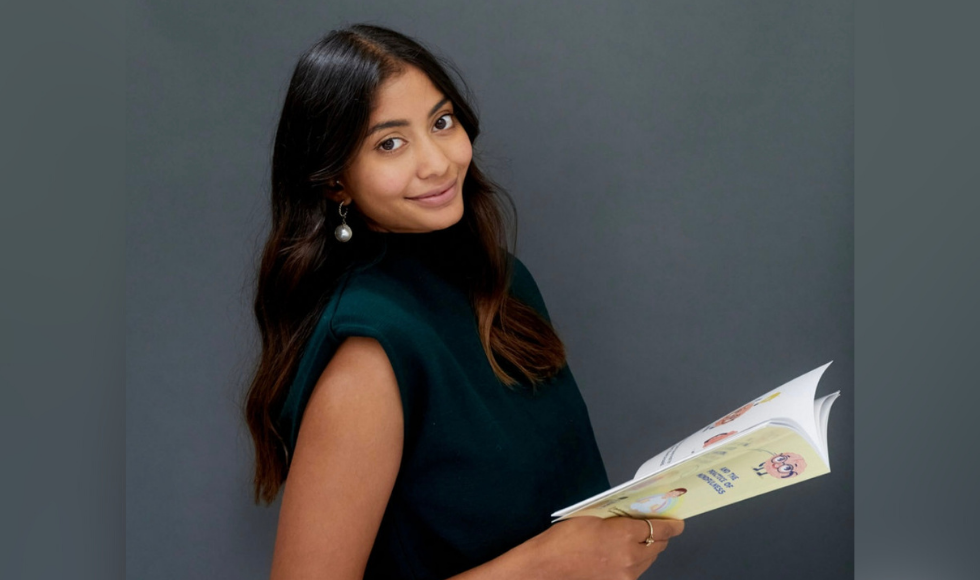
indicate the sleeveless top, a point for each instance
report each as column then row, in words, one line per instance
column 483, row 465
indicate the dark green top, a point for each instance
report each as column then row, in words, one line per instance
column 483, row 466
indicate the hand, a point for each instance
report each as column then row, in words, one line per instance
column 588, row 548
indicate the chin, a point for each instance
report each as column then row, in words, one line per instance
column 449, row 217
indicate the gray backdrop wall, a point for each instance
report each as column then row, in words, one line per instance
column 684, row 178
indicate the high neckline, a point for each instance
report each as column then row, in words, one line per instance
column 448, row 252
column 435, row 245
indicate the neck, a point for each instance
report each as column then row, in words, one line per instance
column 450, row 250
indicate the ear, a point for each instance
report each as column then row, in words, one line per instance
column 334, row 189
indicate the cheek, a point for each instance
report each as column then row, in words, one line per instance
column 392, row 183
column 461, row 151
column 382, row 183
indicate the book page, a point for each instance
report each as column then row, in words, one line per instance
column 791, row 403
column 822, row 410
column 763, row 460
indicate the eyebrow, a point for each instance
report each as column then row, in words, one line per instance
column 403, row 122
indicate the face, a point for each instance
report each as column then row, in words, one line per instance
column 785, row 465
column 408, row 174
column 733, row 415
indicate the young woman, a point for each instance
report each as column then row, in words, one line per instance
column 412, row 398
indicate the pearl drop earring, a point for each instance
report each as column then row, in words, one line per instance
column 343, row 232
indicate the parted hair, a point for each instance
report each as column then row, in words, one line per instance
column 323, row 123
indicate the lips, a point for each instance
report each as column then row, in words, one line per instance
column 438, row 191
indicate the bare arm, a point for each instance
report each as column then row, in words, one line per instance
column 344, row 468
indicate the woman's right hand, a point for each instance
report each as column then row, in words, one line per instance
column 590, row 548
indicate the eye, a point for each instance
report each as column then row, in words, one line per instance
column 388, row 145
column 785, row 468
column 779, row 459
column 448, row 124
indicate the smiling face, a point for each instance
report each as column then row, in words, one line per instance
column 785, row 465
column 408, row 174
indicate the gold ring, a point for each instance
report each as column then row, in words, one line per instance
column 649, row 539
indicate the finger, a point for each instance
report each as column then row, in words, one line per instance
column 644, row 553
column 669, row 528
column 640, row 531
column 678, row 527
column 656, row 546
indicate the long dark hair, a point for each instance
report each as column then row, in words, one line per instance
column 323, row 123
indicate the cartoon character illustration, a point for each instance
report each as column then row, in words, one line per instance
column 658, row 504
column 782, row 465
column 718, row 438
column 741, row 411
column 733, row 415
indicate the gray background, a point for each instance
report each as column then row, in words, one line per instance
column 918, row 250
column 64, row 287
column 684, row 179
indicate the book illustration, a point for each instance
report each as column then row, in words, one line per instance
column 713, row 479
column 781, row 465
column 660, row 503
column 702, row 473
column 766, row 398
column 742, row 410
column 652, row 480
column 718, row 438
column 733, row 415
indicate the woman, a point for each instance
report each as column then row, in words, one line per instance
column 410, row 382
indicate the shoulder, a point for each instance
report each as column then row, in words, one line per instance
column 364, row 304
column 375, row 303
column 377, row 300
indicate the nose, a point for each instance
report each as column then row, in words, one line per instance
column 432, row 159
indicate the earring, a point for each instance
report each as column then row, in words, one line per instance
column 343, row 232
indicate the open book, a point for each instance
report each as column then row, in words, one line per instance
column 776, row 440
